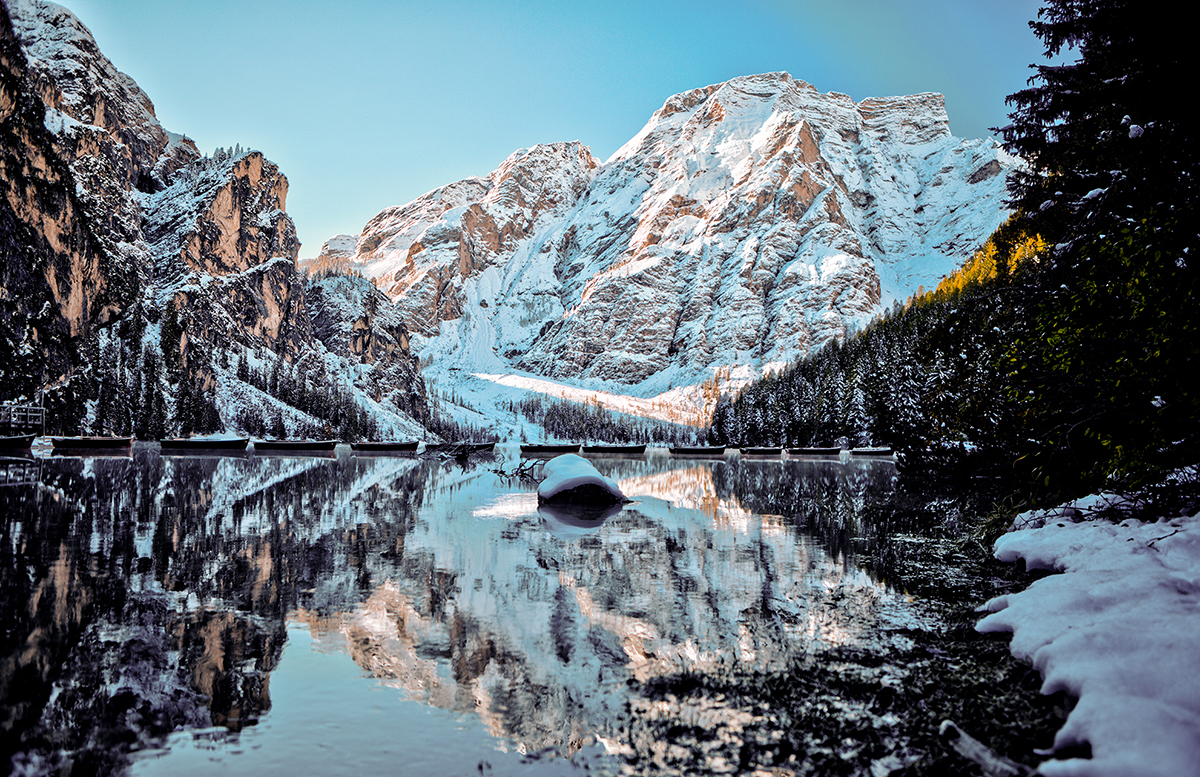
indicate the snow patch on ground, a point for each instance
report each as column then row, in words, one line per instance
column 678, row 405
column 484, row 399
column 1120, row 630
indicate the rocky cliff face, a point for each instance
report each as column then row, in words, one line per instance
column 120, row 238
column 748, row 223
column 222, row 244
column 57, row 281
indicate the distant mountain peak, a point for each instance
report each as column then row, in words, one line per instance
column 746, row 224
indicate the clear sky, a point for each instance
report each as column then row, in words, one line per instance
column 365, row 104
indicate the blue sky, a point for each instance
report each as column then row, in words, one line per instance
column 368, row 104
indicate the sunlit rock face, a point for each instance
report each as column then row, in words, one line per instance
column 747, row 223
column 223, row 246
column 224, row 217
column 431, row 253
column 65, row 266
column 337, row 249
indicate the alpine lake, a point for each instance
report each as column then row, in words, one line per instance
column 413, row 615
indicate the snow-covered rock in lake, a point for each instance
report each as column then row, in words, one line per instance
column 746, row 224
column 572, row 478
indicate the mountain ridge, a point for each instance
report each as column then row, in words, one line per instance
column 747, row 223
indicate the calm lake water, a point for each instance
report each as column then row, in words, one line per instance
column 292, row 615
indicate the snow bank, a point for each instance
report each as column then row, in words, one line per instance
column 1119, row 629
column 572, row 478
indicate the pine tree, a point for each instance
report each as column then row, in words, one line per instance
column 152, row 416
column 1111, row 121
column 1097, row 374
column 185, row 408
column 170, row 336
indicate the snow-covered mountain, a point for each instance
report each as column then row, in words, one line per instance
column 126, row 250
column 748, row 223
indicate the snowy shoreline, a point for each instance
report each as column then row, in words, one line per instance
column 1119, row 629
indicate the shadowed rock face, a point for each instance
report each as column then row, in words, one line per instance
column 748, row 223
column 357, row 322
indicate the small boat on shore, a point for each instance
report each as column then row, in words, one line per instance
column 203, row 444
column 396, row 446
column 870, row 451
column 704, row 450
column 482, row 447
column 763, row 452
column 295, row 446
column 22, row 442
column 548, row 450
column 622, row 449
column 814, row 451
column 91, row 443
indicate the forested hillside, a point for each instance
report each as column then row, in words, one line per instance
column 1058, row 357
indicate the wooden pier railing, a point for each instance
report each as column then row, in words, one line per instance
column 21, row 419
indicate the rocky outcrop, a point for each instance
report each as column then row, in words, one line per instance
column 223, row 217
column 746, row 224
column 357, row 322
column 102, row 123
column 426, row 251
column 222, row 244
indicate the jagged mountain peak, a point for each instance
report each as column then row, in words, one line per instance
column 740, row 116
column 543, row 178
column 390, row 232
column 221, row 216
column 149, row 268
column 538, row 160
column 756, row 87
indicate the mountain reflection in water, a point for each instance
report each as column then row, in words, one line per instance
column 148, row 595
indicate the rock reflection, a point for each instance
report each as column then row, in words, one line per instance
column 150, row 593
column 572, row 520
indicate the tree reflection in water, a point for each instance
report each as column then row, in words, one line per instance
column 149, row 593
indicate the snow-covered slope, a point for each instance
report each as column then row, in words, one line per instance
column 747, row 223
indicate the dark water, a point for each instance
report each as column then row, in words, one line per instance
column 307, row 615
